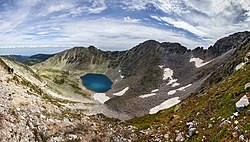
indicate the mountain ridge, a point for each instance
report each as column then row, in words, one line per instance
column 141, row 69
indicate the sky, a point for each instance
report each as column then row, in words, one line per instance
column 118, row 24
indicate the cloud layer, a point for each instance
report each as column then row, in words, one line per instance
column 120, row 24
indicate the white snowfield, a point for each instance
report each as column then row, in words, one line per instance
column 122, row 92
column 184, row 87
column 198, row 62
column 153, row 92
column 168, row 74
column 101, row 97
column 175, row 84
column 166, row 104
column 172, row 92
column 156, row 90
column 147, row 95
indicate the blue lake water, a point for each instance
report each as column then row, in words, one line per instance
column 96, row 82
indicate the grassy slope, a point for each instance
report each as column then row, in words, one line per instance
column 205, row 108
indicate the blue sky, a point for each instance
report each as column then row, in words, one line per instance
column 119, row 24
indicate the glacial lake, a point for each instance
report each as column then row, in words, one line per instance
column 96, row 82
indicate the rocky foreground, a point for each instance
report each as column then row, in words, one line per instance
column 27, row 116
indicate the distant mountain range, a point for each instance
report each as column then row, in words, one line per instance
column 29, row 60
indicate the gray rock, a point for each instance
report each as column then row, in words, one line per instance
column 177, row 131
column 166, row 136
column 191, row 132
column 224, row 122
column 210, row 125
column 179, row 137
column 248, row 112
column 236, row 128
column 241, row 138
column 247, row 86
column 242, row 103
column 236, row 114
column 232, row 117
column 191, row 124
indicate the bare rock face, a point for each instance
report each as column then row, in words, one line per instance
column 242, row 103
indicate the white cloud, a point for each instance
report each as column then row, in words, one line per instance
column 130, row 20
column 184, row 25
column 76, row 22
column 164, row 5
column 111, row 35
column 156, row 17
column 14, row 16
column 114, row 32
column 56, row 7
column 208, row 19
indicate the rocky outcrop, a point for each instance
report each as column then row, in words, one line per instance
column 242, row 103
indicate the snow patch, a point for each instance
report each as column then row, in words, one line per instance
column 121, row 76
column 198, row 62
column 122, row 92
column 161, row 67
column 119, row 70
column 172, row 92
column 171, row 81
column 156, row 90
column 168, row 73
column 184, row 87
column 175, row 84
column 101, row 97
column 147, row 95
column 166, row 104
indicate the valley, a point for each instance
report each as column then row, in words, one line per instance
column 160, row 92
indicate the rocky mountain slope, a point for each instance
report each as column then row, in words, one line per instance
column 219, row 112
column 30, row 112
column 206, row 92
column 149, row 74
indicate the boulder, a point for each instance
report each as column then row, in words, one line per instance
column 191, row 124
column 241, row 138
column 242, row 103
column 236, row 114
column 179, row 137
column 247, row 86
column 191, row 132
